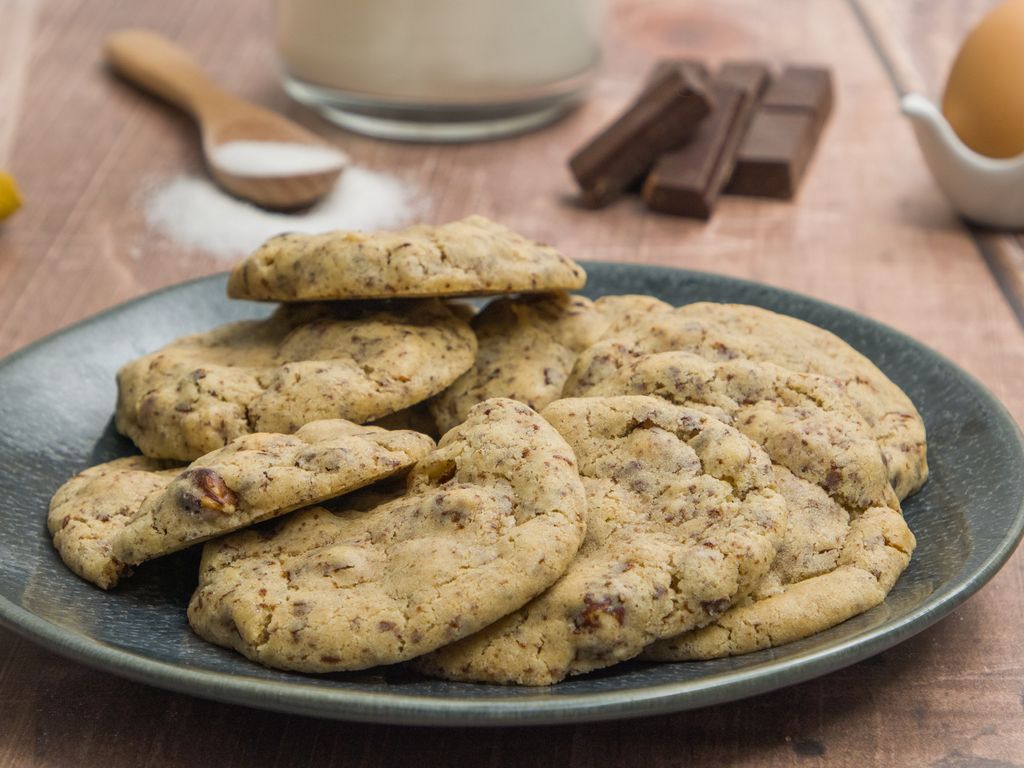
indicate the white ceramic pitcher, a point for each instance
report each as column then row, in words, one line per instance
column 983, row 189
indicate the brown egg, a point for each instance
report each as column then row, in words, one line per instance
column 984, row 98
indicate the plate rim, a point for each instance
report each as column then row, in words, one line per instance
column 298, row 697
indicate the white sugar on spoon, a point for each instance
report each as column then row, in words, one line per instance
column 275, row 158
column 300, row 174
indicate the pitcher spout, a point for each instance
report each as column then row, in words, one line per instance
column 933, row 131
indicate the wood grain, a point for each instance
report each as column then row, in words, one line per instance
column 869, row 231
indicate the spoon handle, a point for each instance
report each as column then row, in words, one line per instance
column 159, row 66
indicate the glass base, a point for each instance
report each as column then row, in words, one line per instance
column 432, row 123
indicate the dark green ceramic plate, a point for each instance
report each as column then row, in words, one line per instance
column 56, row 399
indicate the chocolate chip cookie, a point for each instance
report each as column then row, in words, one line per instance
column 304, row 363
column 683, row 521
column 127, row 511
column 489, row 519
column 722, row 332
column 805, row 422
column 474, row 256
column 831, row 565
column 90, row 508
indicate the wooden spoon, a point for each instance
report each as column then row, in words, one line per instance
column 162, row 68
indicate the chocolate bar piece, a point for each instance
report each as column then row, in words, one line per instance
column 783, row 135
column 664, row 115
column 688, row 180
column 801, row 89
column 752, row 76
column 774, row 155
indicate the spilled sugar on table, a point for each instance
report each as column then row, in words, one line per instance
column 868, row 231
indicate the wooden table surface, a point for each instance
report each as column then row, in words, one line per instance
column 870, row 232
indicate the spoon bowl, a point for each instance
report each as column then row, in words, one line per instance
column 268, row 190
column 162, row 68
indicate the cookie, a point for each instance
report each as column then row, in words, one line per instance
column 470, row 257
column 526, row 348
column 264, row 475
column 125, row 512
column 721, row 332
column 831, row 566
column 683, row 521
column 803, row 421
column 87, row 511
column 489, row 519
column 302, row 364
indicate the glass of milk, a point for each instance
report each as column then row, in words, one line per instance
column 438, row 70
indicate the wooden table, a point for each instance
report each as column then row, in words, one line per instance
column 870, row 232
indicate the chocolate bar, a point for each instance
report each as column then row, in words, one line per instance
column 688, row 180
column 783, row 135
column 774, row 155
column 664, row 115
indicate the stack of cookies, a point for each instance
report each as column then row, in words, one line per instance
column 616, row 478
